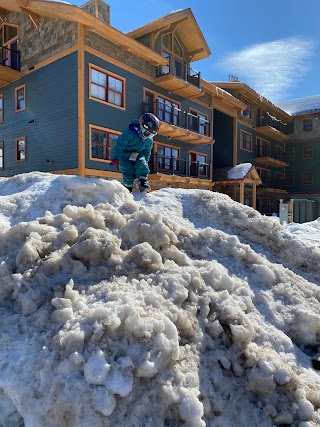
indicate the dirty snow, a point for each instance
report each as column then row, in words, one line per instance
column 173, row 308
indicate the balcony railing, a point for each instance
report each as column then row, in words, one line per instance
column 278, row 183
column 266, row 120
column 10, row 58
column 181, row 71
column 173, row 166
column 174, row 116
column 266, row 150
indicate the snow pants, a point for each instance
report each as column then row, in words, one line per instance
column 133, row 169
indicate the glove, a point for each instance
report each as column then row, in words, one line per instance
column 115, row 162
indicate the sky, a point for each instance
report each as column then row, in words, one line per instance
column 176, row 308
column 272, row 47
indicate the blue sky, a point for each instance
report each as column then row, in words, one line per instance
column 271, row 46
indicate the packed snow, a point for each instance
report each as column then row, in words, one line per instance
column 173, row 308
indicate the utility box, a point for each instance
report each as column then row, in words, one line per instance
column 304, row 210
column 286, row 211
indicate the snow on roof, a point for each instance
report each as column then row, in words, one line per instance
column 308, row 104
column 239, row 171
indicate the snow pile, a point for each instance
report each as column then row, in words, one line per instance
column 175, row 308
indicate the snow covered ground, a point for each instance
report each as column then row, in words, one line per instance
column 173, row 308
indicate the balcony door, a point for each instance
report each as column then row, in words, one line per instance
column 9, row 45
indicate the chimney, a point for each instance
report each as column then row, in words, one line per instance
column 99, row 9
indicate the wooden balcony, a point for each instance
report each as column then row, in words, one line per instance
column 269, row 156
column 271, row 127
column 168, row 169
column 179, row 78
column 9, row 65
column 181, row 125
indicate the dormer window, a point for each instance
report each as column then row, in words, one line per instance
column 170, row 44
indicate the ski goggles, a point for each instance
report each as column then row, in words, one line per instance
column 147, row 133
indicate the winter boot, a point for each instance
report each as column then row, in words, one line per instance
column 129, row 188
column 144, row 185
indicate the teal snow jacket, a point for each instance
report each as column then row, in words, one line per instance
column 130, row 141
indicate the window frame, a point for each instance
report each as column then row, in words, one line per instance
column 203, row 121
column 175, row 107
column 288, row 150
column 17, row 89
column 287, row 176
column 19, row 160
column 304, row 149
column 107, row 131
column 304, row 178
column 1, row 108
column 242, row 132
column 108, row 74
column 248, row 111
column 264, row 171
column 1, row 155
column 307, row 125
column 177, row 162
column 203, row 165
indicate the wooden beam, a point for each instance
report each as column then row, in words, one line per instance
column 33, row 16
column 254, row 195
column 2, row 13
column 81, row 103
column 242, row 193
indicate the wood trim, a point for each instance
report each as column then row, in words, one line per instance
column 235, row 141
column 21, row 138
column 107, row 73
column 103, row 174
column 81, row 101
column 66, row 172
column 114, row 132
column 16, row 99
column 159, row 95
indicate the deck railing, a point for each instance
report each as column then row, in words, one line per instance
column 182, row 71
column 174, row 116
column 10, row 58
column 170, row 165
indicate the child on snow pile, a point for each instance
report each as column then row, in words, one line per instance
column 132, row 151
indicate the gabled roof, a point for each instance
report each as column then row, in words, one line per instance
column 243, row 172
column 187, row 28
column 251, row 94
column 69, row 12
column 301, row 106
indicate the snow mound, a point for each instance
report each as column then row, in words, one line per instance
column 178, row 308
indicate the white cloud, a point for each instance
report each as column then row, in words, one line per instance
column 271, row 68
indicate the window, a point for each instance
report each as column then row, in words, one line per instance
column 198, row 166
column 107, row 87
column 245, row 141
column 102, row 143
column 264, row 176
column 248, row 111
column 168, row 158
column 171, row 44
column 21, row 149
column 289, row 153
column 307, row 178
column 307, row 152
column 289, row 179
column 20, row 98
column 1, row 155
column 307, row 125
column 263, row 148
column 279, row 180
column 165, row 109
column 1, row 108
column 198, row 122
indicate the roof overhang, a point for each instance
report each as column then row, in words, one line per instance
column 185, row 25
column 221, row 95
column 252, row 95
column 72, row 13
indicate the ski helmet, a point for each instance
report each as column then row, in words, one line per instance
column 149, row 125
